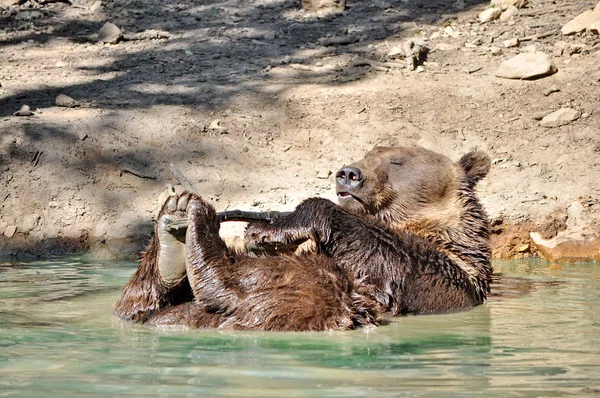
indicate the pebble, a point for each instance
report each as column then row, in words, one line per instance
column 489, row 15
column 323, row 174
column 96, row 6
column 24, row 111
column 60, row 64
column 560, row 117
column 504, row 4
column 29, row 222
column 509, row 13
column 215, row 125
column 511, row 42
column 66, row 101
column 495, row 50
column 527, row 66
column 109, row 33
column 10, row 231
column 446, row 47
column 29, row 15
column 586, row 20
column 551, row 90
column 396, row 52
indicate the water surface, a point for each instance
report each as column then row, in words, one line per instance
column 58, row 337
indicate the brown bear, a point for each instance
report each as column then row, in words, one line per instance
column 409, row 236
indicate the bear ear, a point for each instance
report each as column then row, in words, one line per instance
column 476, row 165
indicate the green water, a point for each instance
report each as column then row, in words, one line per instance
column 59, row 338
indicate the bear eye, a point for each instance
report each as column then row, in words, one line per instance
column 397, row 161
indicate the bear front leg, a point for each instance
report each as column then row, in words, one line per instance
column 311, row 220
column 160, row 279
column 209, row 263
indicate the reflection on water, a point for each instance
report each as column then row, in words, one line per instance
column 538, row 336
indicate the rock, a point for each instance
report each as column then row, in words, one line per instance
column 109, row 33
column 323, row 174
column 527, row 66
column 538, row 115
column 560, row 117
column 509, row 13
column 9, row 3
column 29, row 15
column 495, row 50
column 215, row 125
column 324, row 8
column 30, row 221
column 10, row 231
column 396, row 52
column 504, row 4
column 491, row 14
column 60, row 64
column 269, row 35
column 450, row 32
column 446, row 47
column 149, row 34
column 511, row 42
column 586, row 20
column 551, row 90
column 66, row 101
column 82, row 135
column 24, row 111
column 96, row 5
column 566, row 249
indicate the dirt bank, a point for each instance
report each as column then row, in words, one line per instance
column 248, row 103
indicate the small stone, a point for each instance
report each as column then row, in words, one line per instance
column 489, row 15
column 323, row 174
column 60, row 64
column 324, row 8
column 446, row 47
column 215, row 125
column 420, row 69
column 188, row 53
column 29, row 222
column 82, row 135
column 269, row 36
column 511, row 42
column 504, row 4
column 96, row 6
column 560, row 117
column 539, row 115
column 24, row 111
column 495, row 50
column 551, row 90
column 527, row 66
column 586, row 20
column 29, row 15
column 10, row 231
column 66, row 101
column 109, row 33
column 318, row 64
column 509, row 13
column 396, row 52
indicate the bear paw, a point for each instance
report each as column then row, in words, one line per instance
column 171, row 239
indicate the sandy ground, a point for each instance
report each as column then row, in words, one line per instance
column 249, row 105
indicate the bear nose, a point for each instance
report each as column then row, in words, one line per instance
column 350, row 177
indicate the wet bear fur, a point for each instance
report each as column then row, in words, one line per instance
column 409, row 236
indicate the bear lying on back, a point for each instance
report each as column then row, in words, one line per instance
column 409, row 236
